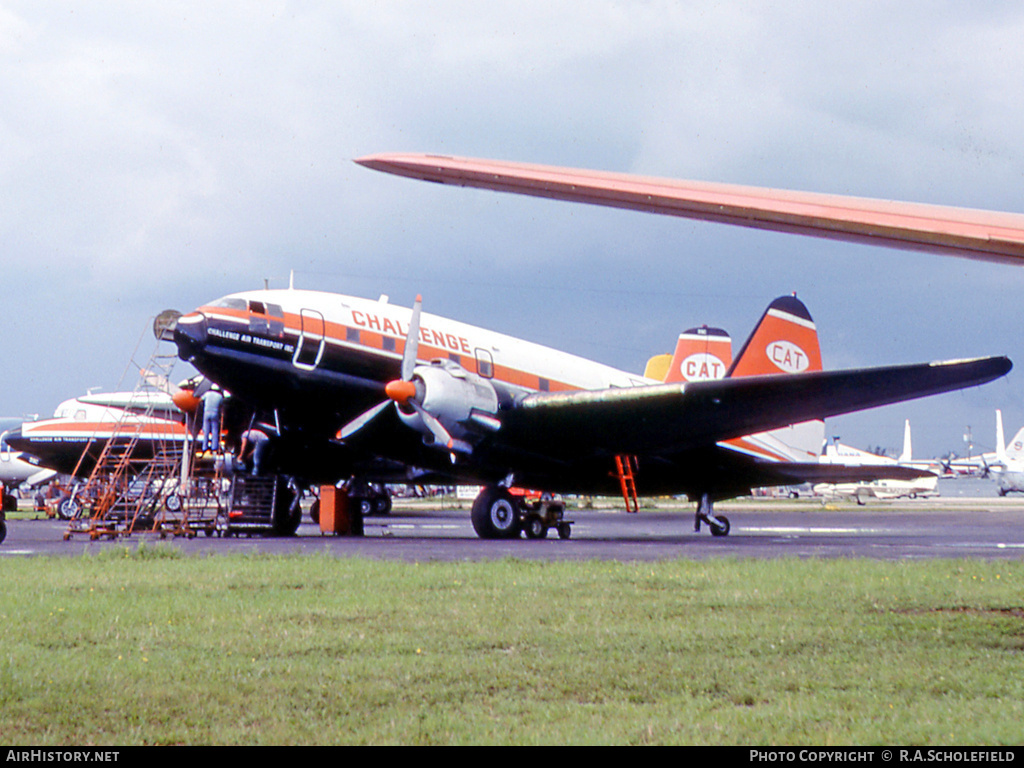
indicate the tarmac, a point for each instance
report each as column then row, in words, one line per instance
column 968, row 520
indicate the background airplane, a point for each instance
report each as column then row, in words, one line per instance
column 882, row 487
column 69, row 442
column 1007, row 466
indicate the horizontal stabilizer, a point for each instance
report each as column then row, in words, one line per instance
column 668, row 418
column 794, row 472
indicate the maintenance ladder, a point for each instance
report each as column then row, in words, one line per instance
column 138, row 465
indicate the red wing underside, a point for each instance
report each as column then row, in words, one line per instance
column 977, row 234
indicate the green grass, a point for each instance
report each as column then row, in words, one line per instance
column 147, row 646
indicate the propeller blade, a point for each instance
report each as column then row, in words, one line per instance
column 441, row 435
column 412, row 341
column 362, row 420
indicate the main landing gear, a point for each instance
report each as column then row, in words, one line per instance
column 718, row 524
column 499, row 514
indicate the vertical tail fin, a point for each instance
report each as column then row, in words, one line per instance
column 1015, row 450
column 908, row 451
column 1012, row 451
column 701, row 354
column 785, row 340
column 1000, row 438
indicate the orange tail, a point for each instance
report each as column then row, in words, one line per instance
column 701, row 353
column 784, row 341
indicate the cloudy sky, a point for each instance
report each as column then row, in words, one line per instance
column 157, row 155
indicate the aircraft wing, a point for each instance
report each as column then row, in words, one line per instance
column 667, row 419
column 977, row 234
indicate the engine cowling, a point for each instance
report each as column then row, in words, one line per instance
column 465, row 403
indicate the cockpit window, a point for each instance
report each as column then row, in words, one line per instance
column 267, row 319
column 230, row 303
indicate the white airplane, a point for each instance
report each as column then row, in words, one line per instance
column 18, row 468
column 882, row 487
column 389, row 394
column 70, row 441
column 1008, row 466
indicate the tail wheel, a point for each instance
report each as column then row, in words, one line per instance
column 720, row 526
column 496, row 514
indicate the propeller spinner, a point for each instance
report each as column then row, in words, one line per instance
column 407, row 395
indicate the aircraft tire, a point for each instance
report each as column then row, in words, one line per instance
column 382, row 504
column 722, row 528
column 68, row 508
column 496, row 515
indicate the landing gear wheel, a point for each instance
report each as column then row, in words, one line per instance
column 68, row 508
column 720, row 526
column 496, row 514
column 382, row 504
column 535, row 527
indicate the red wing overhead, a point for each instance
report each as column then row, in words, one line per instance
column 673, row 418
column 977, row 234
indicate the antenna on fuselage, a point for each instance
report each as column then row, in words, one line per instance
column 291, row 280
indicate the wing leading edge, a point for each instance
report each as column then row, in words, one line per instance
column 985, row 235
column 666, row 419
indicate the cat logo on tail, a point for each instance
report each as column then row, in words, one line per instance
column 701, row 354
column 784, row 341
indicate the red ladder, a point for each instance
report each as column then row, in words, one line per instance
column 625, row 466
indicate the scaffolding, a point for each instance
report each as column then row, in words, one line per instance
column 145, row 478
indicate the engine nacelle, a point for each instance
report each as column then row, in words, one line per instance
column 465, row 403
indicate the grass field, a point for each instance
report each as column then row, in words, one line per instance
column 147, row 646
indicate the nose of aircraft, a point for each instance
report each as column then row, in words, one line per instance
column 190, row 334
column 13, row 439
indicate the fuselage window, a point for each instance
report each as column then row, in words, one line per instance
column 484, row 363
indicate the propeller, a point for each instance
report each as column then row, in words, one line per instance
column 407, row 393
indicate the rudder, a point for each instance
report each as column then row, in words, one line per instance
column 785, row 340
column 701, row 354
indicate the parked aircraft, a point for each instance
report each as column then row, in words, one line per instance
column 882, row 487
column 388, row 394
column 70, row 441
column 18, row 468
column 1008, row 467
